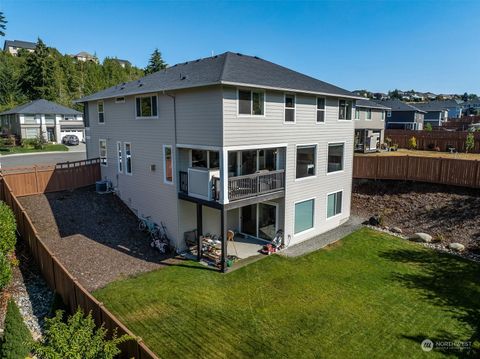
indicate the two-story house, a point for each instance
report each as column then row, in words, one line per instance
column 369, row 125
column 229, row 142
column 45, row 118
column 403, row 116
column 436, row 112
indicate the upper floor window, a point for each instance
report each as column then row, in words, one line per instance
column 102, row 149
column 128, row 158
column 119, row 157
column 167, row 164
column 120, row 99
column 389, row 113
column 368, row 115
column 320, row 109
column 205, row 159
column 289, row 108
column 383, row 115
column 251, row 102
column 335, row 157
column 146, row 106
column 101, row 114
column 306, row 158
column 357, row 114
column 344, row 110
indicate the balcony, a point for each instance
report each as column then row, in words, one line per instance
column 206, row 185
column 256, row 184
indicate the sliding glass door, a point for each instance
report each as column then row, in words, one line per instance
column 259, row 220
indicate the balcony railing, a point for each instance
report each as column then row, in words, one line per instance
column 255, row 184
column 242, row 186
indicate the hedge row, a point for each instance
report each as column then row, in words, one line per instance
column 8, row 239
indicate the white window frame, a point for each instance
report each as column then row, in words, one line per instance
column 338, row 109
column 294, row 108
column 251, row 102
column 313, row 215
column 321, row 110
column 389, row 113
column 367, row 112
column 120, row 99
column 326, row 205
column 119, row 157
column 357, row 111
column 343, row 157
column 144, row 96
column 165, row 165
column 100, row 152
column 101, row 112
column 128, row 157
column 315, row 161
column 383, row 115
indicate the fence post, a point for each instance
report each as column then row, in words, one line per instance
column 376, row 167
column 477, row 168
column 36, row 179
column 440, row 167
column 408, row 168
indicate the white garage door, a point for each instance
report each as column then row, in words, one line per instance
column 77, row 133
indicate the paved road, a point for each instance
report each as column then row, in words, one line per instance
column 76, row 153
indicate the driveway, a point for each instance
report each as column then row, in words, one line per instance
column 75, row 153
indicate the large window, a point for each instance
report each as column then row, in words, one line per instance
column 344, row 110
column 368, row 115
column 304, row 212
column 205, row 159
column 102, row 147
column 128, row 158
column 120, row 157
column 306, row 161
column 320, row 110
column 31, row 132
column 167, row 164
column 335, row 157
column 146, row 106
column 101, row 114
column 29, row 120
column 251, row 102
column 290, row 108
column 334, row 204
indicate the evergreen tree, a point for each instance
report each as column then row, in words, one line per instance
column 156, row 63
column 40, row 78
column 16, row 338
column 3, row 23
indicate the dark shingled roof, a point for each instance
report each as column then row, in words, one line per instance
column 370, row 104
column 432, row 106
column 20, row 44
column 41, row 107
column 228, row 69
column 397, row 105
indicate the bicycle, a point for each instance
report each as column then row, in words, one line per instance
column 145, row 224
column 162, row 242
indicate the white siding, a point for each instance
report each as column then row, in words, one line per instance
column 270, row 129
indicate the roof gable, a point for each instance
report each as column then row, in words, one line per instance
column 41, row 107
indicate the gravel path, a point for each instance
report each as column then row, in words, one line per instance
column 94, row 236
column 324, row 239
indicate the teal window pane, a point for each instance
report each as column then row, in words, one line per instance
column 304, row 216
column 334, row 204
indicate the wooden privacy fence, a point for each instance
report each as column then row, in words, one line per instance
column 58, row 278
column 442, row 139
column 25, row 181
column 449, row 171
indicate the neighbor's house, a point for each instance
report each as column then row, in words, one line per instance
column 49, row 119
column 369, row 125
column 124, row 63
column 84, row 56
column 471, row 107
column 227, row 142
column 403, row 116
column 14, row 46
column 453, row 106
column 436, row 113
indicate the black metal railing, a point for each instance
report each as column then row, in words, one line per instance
column 183, row 178
column 215, row 188
column 255, row 184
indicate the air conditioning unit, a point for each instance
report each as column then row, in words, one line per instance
column 102, row 187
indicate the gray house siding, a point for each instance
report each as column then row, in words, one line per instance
column 377, row 122
column 271, row 129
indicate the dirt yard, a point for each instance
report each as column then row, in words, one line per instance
column 94, row 236
column 450, row 214
column 419, row 153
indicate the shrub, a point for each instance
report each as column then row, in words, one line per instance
column 37, row 143
column 412, row 143
column 469, row 142
column 5, row 271
column 8, row 226
column 428, row 127
column 17, row 340
column 76, row 338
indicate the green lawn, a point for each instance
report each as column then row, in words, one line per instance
column 20, row 149
column 368, row 296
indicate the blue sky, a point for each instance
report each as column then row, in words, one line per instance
column 378, row 45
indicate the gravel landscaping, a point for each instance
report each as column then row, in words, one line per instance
column 94, row 236
column 448, row 214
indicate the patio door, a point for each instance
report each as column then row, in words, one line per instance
column 260, row 220
column 252, row 161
